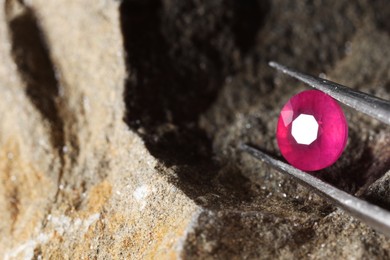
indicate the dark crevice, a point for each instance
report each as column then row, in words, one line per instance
column 175, row 77
column 249, row 17
column 161, row 89
column 164, row 97
column 381, row 14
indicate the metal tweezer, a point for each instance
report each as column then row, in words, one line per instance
column 374, row 216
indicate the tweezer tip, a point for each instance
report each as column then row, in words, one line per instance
column 280, row 67
column 273, row 64
column 245, row 147
column 242, row 146
column 254, row 152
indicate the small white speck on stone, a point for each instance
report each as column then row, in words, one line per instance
column 77, row 223
column 141, row 192
column 61, row 223
column 43, row 143
column 89, row 221
column 10, row 156
column 348, row 47
column 86, row 104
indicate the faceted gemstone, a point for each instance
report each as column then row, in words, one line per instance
column 312, row 131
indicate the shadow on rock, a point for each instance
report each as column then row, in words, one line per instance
column 176, row 72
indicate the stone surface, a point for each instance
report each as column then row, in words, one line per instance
column 119, row 122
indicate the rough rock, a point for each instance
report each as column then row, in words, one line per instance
column 120, row 120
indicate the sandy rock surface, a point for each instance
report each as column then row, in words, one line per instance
column 120, row 120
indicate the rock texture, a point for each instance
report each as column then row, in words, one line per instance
column 119, row 122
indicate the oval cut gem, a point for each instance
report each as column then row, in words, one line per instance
column 312, row 131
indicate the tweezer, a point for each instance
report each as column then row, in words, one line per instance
column 374, row 216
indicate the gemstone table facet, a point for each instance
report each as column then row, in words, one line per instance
column 304, row 129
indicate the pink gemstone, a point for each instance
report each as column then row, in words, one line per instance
column 312, row 130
